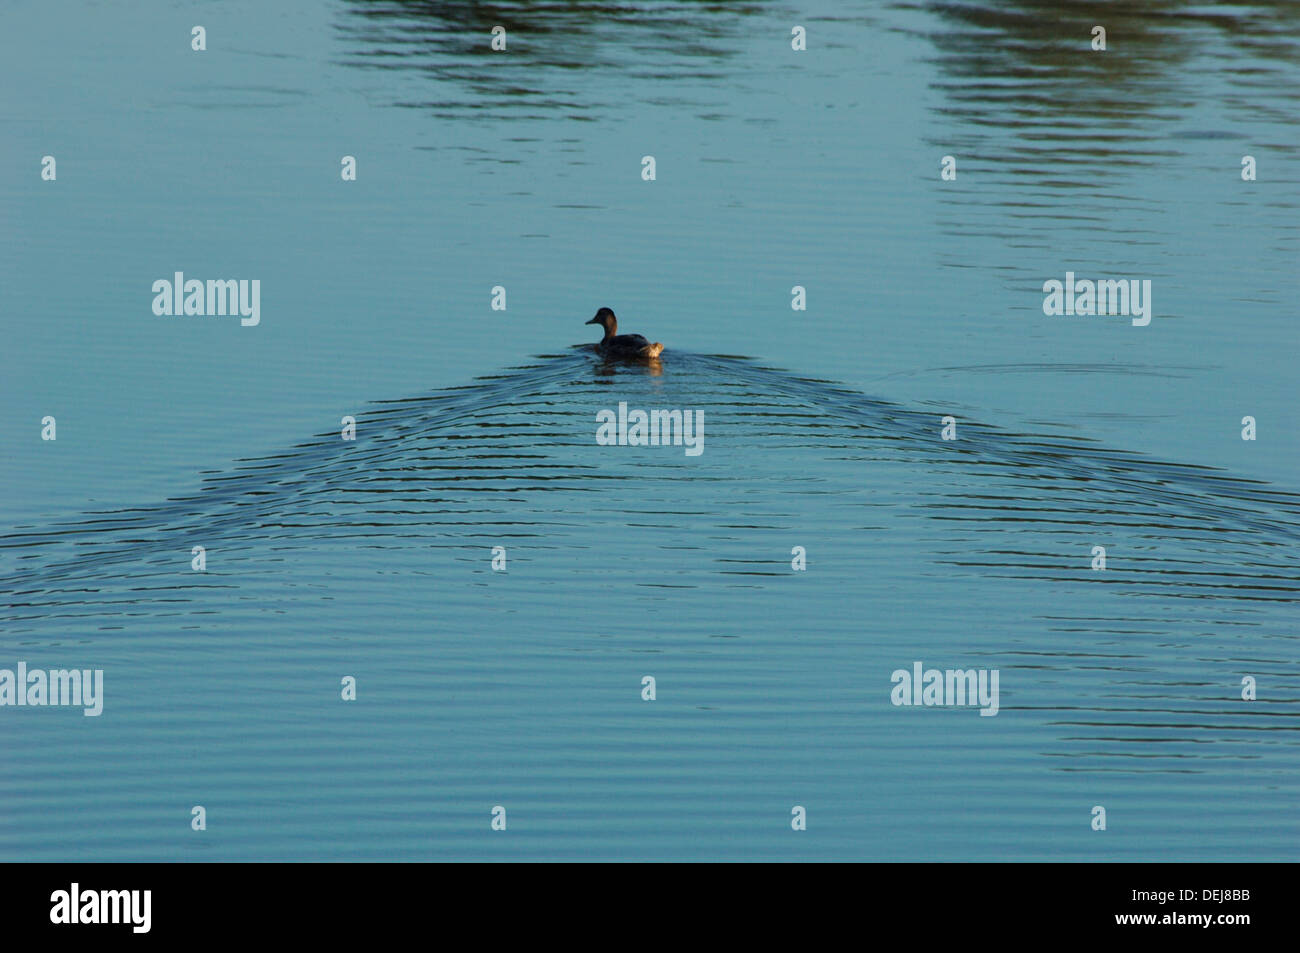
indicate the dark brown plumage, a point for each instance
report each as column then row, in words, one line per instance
column 617, row 345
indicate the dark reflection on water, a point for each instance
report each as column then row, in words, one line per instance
column 1029, row 66
column 548, row 46
column 1067, row 138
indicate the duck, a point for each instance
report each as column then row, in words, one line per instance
column 622, row 346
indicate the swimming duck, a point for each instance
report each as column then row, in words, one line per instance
column 617, row 345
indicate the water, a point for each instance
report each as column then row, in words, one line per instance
column 476, row 429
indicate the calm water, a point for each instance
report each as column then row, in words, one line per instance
column 476, row 428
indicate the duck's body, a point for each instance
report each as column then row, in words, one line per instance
column 623, row 346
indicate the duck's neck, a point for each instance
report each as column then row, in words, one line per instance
column 611, row 329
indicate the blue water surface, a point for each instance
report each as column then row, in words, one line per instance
column 476, row 428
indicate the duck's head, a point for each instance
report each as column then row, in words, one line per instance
column 605, row 318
